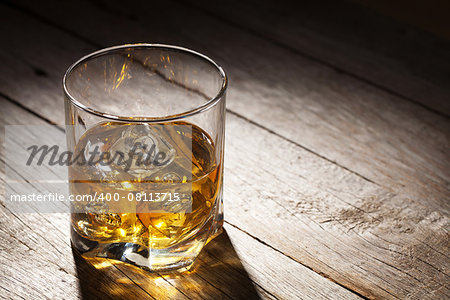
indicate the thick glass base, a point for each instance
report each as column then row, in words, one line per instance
column 178, row 258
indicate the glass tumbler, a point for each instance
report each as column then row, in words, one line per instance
column 145, row 132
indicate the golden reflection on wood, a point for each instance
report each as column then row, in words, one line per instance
column 217, row 272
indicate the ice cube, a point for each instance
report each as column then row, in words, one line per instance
column 141, row 146
column 96, row 207
column 100, row 212
column 112, row 220
column 92, row 150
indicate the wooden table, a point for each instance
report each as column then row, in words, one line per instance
column 337, row 165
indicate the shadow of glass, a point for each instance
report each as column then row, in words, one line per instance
column 217, row 273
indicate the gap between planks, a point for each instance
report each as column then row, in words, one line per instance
column 88, row 41
column 263, row 37
column 311, row 57
column 299, row 262
column 58, row 28
column 59, row 127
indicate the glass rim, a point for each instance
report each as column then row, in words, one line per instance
column 140, row 119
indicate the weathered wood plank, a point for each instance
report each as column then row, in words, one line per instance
column 48, row 252
column 219, row 273
column 327, row 218
column 33, row 242
column 369, row 131
column 353, row 39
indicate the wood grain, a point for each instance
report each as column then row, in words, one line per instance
column 353, row 39
column 361, row 127
column 375, row 222
column 220, row 272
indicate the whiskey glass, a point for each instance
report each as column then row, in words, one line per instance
column 145, row 129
